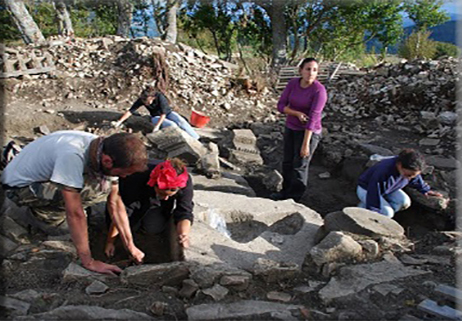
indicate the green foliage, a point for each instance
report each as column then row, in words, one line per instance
column 418, row 45
column 425, row 13
column 446, row 49
column 44, row 16
column 215, row 18
column 9, row 31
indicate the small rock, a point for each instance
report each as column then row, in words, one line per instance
column 324, row 175
column 158, row 308
column 97, row 287
column 279, row 296
column 217, row 292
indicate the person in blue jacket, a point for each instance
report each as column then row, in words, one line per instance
column 380, row 187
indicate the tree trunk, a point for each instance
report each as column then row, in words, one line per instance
column 64, row 20
column 125, row 8
column 29, row 30
column 279, row 32
column 171, row 32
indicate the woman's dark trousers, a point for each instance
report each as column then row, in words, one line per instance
column 295, row 168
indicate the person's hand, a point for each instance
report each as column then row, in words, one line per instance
column 109, row 249
column 302, row 117
column 433, row 193
column 305, row 151
column 184, row 240
column 155, row 129
column 101, row 267
column 137, row 255
column 116, row 124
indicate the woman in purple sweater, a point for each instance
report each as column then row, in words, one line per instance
column 302, row 101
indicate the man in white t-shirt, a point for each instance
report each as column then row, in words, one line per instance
column 60, row 174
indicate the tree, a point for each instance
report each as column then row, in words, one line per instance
column 63, row 19
column 418, row 45
column 27, row 27
column 425, row 13
column 124, row 21
column 219, row 19
column 171, row 31
column 275, row 9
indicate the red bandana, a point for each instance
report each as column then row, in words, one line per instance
column 165, row 177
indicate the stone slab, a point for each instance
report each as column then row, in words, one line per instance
column 246, row 310
column 364, row 222
column 86, row 312
column 156, row 274
column 228, row 183
column 210, row 246
column 353, row 279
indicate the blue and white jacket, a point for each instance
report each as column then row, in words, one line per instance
column 383, row 178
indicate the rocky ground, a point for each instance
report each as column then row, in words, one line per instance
column 411, row 104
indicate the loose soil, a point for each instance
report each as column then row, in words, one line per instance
column 323, row 196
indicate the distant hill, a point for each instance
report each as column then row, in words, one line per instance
column 445, row 32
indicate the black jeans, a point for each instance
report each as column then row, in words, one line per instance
column 294, row 167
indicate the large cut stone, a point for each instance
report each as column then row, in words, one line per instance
column 246, row 310
column 373, row 149
column 352, row 279
column 14, row 307
column 86, row 312
column 430, row 202
column 245, row 147
column 364, row 222
column 336, row 247
column 282, row 231
column 228, row 183
column 177, row 143
column 160, row 274
column 75, row 272
column 442, row 162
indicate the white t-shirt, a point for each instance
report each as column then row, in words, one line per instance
column 59, row 157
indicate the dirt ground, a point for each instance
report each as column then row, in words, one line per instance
column 323, row 195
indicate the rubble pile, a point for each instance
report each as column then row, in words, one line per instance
column 119, row 68
column 417, row 97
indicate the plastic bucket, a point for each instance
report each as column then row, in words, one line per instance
column 198, row 119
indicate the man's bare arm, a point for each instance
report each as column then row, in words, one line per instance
column 77, row 221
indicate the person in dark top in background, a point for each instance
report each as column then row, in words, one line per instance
column 155, row 196
column 380, row 187
column 161, row 113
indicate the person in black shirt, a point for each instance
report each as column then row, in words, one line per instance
column 153, row 197
column 162, row 114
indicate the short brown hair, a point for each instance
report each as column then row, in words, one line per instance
column 126, row 150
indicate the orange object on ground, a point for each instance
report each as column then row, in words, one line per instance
column 198, row 119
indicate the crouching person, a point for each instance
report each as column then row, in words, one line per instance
column 380, row 187
column 58, row 175
column 153, row 199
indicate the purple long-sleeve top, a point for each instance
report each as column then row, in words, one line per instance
column 310, row 101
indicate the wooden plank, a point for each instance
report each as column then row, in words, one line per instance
column 449, row 292
column 443, row 311
column 26, row 72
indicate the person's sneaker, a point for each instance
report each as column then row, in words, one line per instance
column 278, row 196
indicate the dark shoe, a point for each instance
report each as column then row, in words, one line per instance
column 278, row 196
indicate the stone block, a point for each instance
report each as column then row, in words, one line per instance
column 160, row 274
column 363, row 222
column 336, row 247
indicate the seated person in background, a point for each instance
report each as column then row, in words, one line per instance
column 162, row 114
column 152, row 197
column 380, row 187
